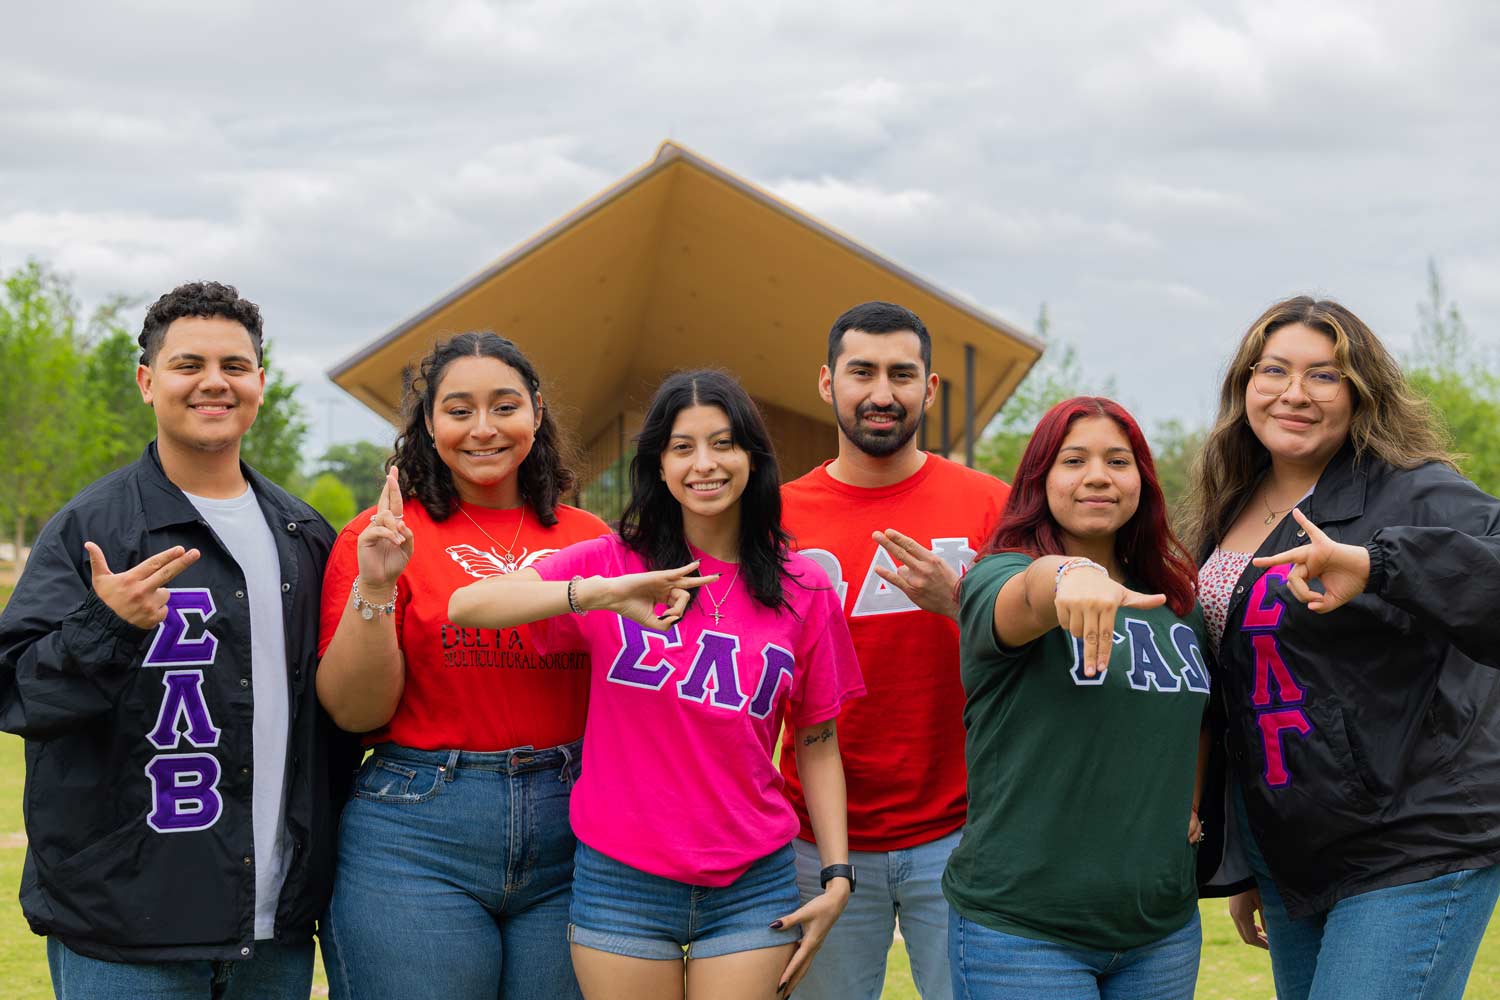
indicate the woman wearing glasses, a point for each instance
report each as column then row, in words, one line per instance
column 1351, row 583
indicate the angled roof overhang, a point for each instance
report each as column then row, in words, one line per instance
column 682, row 264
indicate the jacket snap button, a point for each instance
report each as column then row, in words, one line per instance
column 244, row 682
column 248, row 860
column 244, row 951
column 1301, row 533
column 291, row 526
column 285, row 587
column 240, row 594
column 1240, row 589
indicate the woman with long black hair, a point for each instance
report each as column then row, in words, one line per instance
column 704, row 631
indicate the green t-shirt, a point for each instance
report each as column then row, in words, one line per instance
column 1080, row 788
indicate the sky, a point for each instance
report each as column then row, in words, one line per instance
column 1155, row 173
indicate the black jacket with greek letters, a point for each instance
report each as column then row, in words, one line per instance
column 1367, row 740
column 138, row 742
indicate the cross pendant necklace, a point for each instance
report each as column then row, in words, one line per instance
column 716, row 614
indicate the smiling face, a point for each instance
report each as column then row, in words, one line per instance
column 705, row 470
column 1094, row 485
column 204, row 384
column 1294, row 427
column 879, row 389
column 483, row 425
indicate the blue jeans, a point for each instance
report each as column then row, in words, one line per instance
column 454, row 875
column 625, row 911
column 992, row 965
column 1414, row 940
column 904, row 885
column 274, row 972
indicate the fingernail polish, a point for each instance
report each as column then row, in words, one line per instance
column 776, row 925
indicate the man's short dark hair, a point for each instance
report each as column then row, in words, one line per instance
column 879, row 317
column 198, row 298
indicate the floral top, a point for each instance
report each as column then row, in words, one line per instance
column 1216, row 580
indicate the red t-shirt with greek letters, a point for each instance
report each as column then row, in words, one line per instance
column 480, row 689
column 903, row 743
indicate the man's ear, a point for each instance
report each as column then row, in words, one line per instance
column 932, row 387
column 143, row 382
column 825, row 384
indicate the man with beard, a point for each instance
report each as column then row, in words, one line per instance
column 894, row 527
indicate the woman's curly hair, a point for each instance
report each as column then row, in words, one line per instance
column 544, row 476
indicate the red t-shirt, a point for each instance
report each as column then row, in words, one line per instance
column 903, row 743
column 477, row 689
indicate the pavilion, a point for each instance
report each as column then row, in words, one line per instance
column 679, row 265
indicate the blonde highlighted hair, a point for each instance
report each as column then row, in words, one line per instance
column 1390, row 420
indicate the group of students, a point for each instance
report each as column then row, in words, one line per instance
column 1027, row 723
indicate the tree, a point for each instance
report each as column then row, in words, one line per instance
column 1174, row 448
column 359, row 465
column 51, row 431
column 1056, row 377
column 1459, row 381
column 330, row 497
column 273, row 447
column 110, row 376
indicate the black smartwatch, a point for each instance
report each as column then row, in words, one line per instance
column 837, row 871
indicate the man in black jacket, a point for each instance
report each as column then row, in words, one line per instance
column 182, row 784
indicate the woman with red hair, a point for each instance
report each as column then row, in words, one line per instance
column 1080, row 649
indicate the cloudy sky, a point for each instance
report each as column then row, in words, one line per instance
column 1155, row 172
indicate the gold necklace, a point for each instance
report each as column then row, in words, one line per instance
column 1272, row 515
column 509, row 558
column 716, row 614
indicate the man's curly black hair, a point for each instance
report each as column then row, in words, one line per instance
column 198, row 298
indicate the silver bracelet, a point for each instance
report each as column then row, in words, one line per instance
column 1078, row 562
column 368, row 610
column 573, row 596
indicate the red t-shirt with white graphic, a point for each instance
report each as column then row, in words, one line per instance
column 480, row 689
column 903, row 743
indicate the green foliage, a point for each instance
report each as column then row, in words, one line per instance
column 273, row 446
column 359, row 465
column 1458, row 379
column 329, row 496
column 51, row 432
column 110, row 374
column 1056, row 377
column 1174, row 446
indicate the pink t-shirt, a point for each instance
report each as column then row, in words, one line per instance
column 678, row 776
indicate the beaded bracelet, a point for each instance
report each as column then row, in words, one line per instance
column 1079, row 562
column 573, row 596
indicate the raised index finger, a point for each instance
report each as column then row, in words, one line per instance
column 1298, row 555
column 393, row 483
column 152, row 564
column 1314, row 532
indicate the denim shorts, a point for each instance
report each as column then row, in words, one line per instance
column 625, row 911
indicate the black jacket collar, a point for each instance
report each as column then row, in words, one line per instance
column 165, row 504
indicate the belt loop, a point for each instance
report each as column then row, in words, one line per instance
column 564, row 773
column 450, row 768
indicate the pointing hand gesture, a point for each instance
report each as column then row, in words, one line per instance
column 636, row 595
column 386, row 543
column 1087, row 599
column 921, row 574
column 1343, row 569
column 138, row 595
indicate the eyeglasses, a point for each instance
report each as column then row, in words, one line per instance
column 1271, row 379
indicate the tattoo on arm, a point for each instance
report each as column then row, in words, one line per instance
column 822, row 736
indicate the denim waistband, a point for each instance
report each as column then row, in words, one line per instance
column 516, row 760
